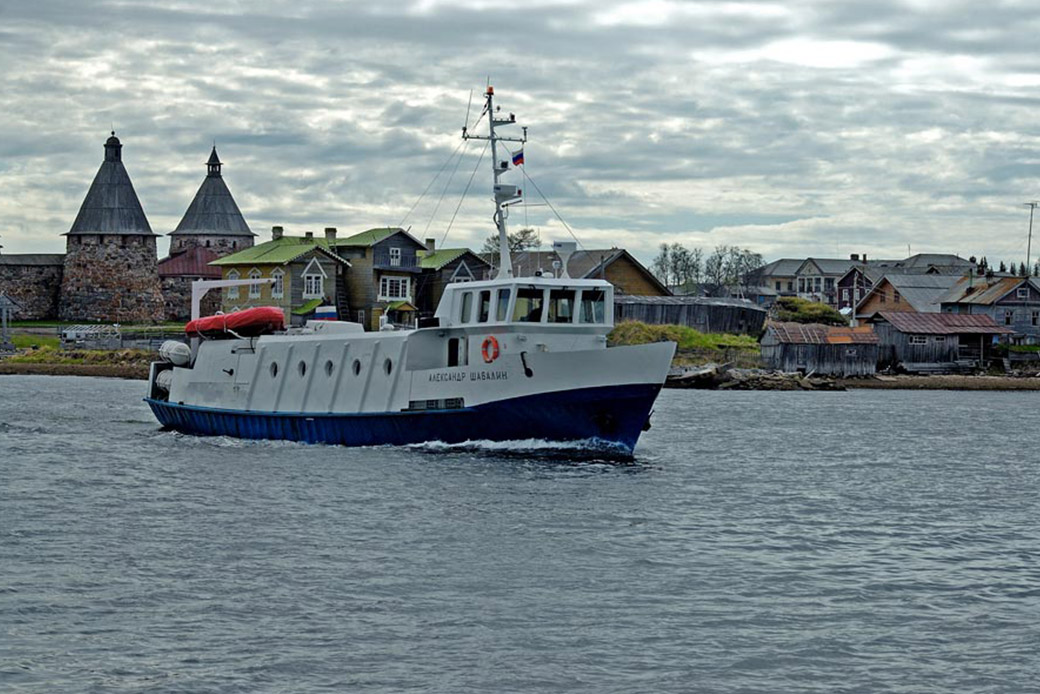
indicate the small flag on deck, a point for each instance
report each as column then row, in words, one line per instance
column 518, row 158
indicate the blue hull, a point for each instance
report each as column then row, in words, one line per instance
column 610, row 414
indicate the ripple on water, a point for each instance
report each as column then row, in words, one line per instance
column 747, row 546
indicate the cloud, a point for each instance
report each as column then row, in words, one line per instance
column 795, row 129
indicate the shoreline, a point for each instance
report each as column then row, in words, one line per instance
column 136, row 373
column 901, row 382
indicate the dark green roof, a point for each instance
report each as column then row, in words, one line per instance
column 277, row 252
column 368, row 238
column 438, row 259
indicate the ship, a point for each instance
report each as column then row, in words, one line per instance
column 512, row 358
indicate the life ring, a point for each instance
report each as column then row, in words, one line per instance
column 489, row 349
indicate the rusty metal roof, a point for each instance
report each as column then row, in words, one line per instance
column 942, row 323
column 817, row 334
column 194, row 262
column 978, row 290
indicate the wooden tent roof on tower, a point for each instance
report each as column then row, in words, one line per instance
column 111, row 205
column 213, row 210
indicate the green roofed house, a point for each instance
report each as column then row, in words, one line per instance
column 442, row 266
column 383, row 277
column 307, row 274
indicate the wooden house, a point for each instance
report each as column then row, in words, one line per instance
column 706, row 314
column 897, row 292
column 306, row 274
column 820, row 349
column 440, row 267
column 384, row 270
column 1012, row 302
column 935, row 342
column 616, row 265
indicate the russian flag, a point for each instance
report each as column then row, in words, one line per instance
column 518, row 158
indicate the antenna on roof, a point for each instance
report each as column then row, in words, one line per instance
column 1029, row 244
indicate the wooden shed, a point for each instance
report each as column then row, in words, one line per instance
column 708, row 315
column 936, row 342
column 820, row 349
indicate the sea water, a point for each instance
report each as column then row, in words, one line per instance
column 867, row 541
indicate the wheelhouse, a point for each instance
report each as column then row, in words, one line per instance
column 528, row 301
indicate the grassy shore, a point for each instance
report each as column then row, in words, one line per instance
column 49, row 360
column 694, row 348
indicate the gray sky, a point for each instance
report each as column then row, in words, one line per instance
column 792, row 128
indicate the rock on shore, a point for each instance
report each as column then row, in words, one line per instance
column 722, row 377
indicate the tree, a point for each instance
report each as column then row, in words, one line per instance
column 1022, row 270
column 1003, row 267
column 662, row 265
column 519, row 240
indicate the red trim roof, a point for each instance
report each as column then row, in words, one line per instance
column 817, row 334
column 193, row 262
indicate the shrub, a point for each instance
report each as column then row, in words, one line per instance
column 795, row 310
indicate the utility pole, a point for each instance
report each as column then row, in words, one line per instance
column 1029, row 243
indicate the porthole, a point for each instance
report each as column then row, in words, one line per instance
column 329, row 367
column 388, row 366
column 274, row 369
column 302, row 368
column 356, row 367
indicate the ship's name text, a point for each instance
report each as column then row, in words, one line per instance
column 459, row 376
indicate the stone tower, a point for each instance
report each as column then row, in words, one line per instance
column 110, row 261
column 212, row 220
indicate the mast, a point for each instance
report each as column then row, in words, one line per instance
column 505, row 195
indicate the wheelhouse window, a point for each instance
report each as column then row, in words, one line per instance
column 561, row 306
column 254, row 289
column 502, row 312
column 467, row 307
column 312, row 287
column 232, row 292
column 395, row 288
column 592, row 306
column 278, row 287
column 485, row 306
column 528, row 308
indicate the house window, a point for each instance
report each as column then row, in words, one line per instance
column 778, row 285
column 395, row 288
column 1036, row 318
column 819, row 283
column 844, row 294
column 881, row 296
column 918, row 340
column 313, row 287
column 278, row 288
column 1022, row 293
column 1009, row 317
column 801, row 285
column 254, row 289
column 395, row 257
column 790, row 286
column 828, row 283
column 895, row 296
column 939, row 339
column 361, row 317
column 232, row 292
